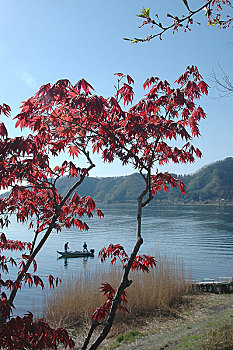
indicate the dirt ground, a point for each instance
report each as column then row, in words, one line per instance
column 182, row 327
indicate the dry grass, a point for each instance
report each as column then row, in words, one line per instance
column 218, row 339
column 73, row 302
column 159, row 289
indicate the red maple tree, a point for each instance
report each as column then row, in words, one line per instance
column 64, row 117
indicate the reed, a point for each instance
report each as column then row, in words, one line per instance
column 73, row 302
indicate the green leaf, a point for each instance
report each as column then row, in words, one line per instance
column 145, row 13
column 141, row 15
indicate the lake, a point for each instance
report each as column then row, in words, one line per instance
column 200, row 235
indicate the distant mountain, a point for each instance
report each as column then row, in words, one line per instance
column 106, row 189
column 212, row 183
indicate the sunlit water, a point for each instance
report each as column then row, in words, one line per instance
column 201, row 235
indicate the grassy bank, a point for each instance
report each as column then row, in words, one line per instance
column 73, row 302
column 204, row 323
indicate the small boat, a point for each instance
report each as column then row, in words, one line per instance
column 76, row 253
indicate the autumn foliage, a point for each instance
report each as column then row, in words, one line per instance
column 25, row 332
column 141, row 262
column 71, row 118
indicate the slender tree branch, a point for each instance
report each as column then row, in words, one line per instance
column 224, row 85
column 112, row 136
column 23, row 340
column 36, row 234
column 125, row 283
column 177, row 22
column 32, row 257
column 48, row 231
column 94, row 325
column 82, row 177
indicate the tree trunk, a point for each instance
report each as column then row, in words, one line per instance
column 125, row 283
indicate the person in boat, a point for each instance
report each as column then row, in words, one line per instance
column 85, row 247
column 66, row 246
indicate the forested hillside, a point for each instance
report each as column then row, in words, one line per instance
column 213, row 183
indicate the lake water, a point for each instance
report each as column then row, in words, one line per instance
column 201, row 235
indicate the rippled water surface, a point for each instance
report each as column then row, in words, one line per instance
column 201, row 235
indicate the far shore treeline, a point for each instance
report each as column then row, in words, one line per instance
column 212, row 184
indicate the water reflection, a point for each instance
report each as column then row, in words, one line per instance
column 66, row 260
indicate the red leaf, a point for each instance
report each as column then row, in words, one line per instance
column 74, row 151
column 3, row 130
column 51, row 281
column 99, row 212
column 99, row 313
column 29, row 280
column 107, row 289
column 3, row 238
column 22, row 265
column 58, row 280
column 129, row 79
column 34, row 265
column 43, row 90
column 38, row 281
column 6, row 110
column 82, row 83
column 150, row 81
column 198, row 153
column 203, row 87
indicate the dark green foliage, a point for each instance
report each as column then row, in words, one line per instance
column 127, row 338
column 211, row 184
column 108, row 189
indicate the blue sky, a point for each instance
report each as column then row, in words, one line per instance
column 46, row 40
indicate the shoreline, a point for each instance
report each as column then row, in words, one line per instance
column 184, row 326
column 154, row 203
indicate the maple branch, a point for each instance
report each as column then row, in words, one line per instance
column 23, row 340
column 32, row 257
column 106, row 138
column 150, row 197
column 112, row 135
column 32, row 178
column 48, row 231
column 94, row 325
column 139, row 213
column 36, row 233
column 125, row 283
column 82, row 177
column 141, row 173
column 176, row 23
column 109, row 134
column 142, row 204
column 118, row 88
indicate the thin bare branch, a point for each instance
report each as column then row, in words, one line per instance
column 177, row 22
